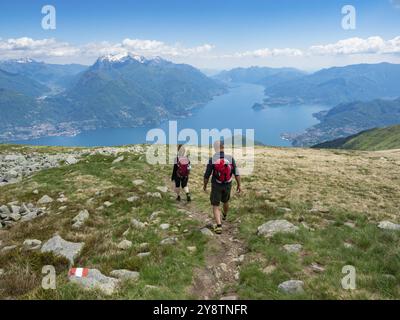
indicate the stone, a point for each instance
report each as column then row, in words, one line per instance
column 207, row 232
column 62, row 248
column 192, row 249
column 45, row 200
column 125, row 245
column 80, row 219
column 269, row 269
column 350, row 224
column 387, row 225
column 15, row 216
column 96, row 280
column 133, row 199
column 71, row 160
column 15, row 209
column 28, row 217
column 274, row 226
column 36, row 192
column 239, row 259
column 119, row 159
column 348, row 245
column 229, row 298
column 284, row 210
column 8, row 248
column 143, row 254
column 293, row 248
column 108, row 204
column 31, row 244
column 292, row 286
column 125, row 274
column 164, row 226
column 4, row 209
column 154, row 195
column 138, row 182
column 137, row 224
column 1, row 272
column 144, row 246
column 162, row 189
column 155, row 215
column 317, row 268
column 171, row 240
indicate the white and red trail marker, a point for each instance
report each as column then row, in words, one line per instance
column 78, row 272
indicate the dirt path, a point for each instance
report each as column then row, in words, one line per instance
column 217, row 279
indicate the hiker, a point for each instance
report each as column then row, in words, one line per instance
column 180, row 173
column 222, row 167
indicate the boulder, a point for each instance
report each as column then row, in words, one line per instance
column 154, row 195
column 96, row 280
column 137, row 224
column 171, row 240
column 45, row 200
column 28, row 217
column 143, row 254
column 71, row 160
column 125, row 245
column 387, row 225
column 164, row 226
column 31, row 244
column 80, row 219
column 292, row 286
column 274, row 226
column 62, row 248
column 125, row 274
column 162, row 189
column 293, row 248
column 15, row 216
column 4, row 209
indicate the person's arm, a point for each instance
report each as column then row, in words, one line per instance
column 237, row 176
column 207, row 174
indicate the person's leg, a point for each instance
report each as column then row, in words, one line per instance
column 186, row 188
column 178, row 189
column 226, row 195
column 217, row 215
column 226, row 209
column 215, row 198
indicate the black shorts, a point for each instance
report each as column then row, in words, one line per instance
column 220, row 192
column 181, row 182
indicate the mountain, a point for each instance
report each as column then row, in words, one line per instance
column 52, row 75
column 349, row 119
column 361, row 82
column 373, row 139
column 120, row 91
column 19, row 83
column 259, row 75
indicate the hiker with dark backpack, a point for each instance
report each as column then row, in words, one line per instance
column 223, row 168
column 181, row 172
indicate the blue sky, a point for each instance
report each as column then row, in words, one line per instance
column 208, row 34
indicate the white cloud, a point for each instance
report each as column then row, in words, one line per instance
column 371, row 45
column 266, row 52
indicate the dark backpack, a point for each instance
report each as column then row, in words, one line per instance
column 183, row 166
column 223, row 171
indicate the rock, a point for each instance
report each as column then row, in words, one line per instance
column 1, row 272
column 4, row 209
column 274, row 226
column 348, row 245
column 119, row 159
column 71, row 160
column 284, row 210
column 133, row 199
column 143, row 254
column 223, row 267
column 207, row 232
column 387, row 225
column 45, row 200
column 125, row 274
column 192, row 249
column 80, row 219
column 15, row 209
column 96, row 280
column 229, row 298
column 155, row 215
column 108, row 204
column 164, row 226
column 269, row 269
column 317, row 268
column 162, row 189
column 60, row 247
column 293, row 248
column 138, row 182
column 171, row 240
column 32, row 244
column 15, row 216
column 137, row 224
column 28, row 217
column 292, row 286
column 35, row 191
column 239, row 259
column 125, row 245
column 350, row 224
column 144, row 247
column 8, row 248
column 154, row 195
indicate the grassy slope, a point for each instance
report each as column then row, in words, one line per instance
column 362, row 187
column 375, row 139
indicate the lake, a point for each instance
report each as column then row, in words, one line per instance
column 232, row 110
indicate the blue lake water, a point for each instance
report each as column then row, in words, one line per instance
column 232, row 110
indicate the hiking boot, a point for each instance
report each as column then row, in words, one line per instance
column 218, row 229
column 224, row 215
column 188, row 198
column 178, row 198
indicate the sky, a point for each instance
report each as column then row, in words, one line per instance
column 209, row 34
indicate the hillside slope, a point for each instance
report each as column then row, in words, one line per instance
column 374, row 139
column 336, row 198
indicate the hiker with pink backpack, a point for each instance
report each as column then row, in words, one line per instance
column 181, row 172
column 223, row 168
